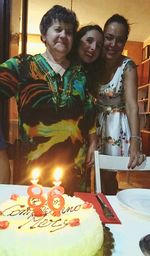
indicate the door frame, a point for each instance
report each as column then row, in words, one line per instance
column 4, row 54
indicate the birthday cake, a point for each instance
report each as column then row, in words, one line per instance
column 78, row 230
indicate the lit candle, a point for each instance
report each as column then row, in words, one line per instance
column 55, row 199
column 36, row 199
column 57, row 176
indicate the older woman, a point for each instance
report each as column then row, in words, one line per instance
column 52, row 103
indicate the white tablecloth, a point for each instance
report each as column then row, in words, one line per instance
column 126, row 235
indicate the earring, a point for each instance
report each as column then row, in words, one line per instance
column 43, row 39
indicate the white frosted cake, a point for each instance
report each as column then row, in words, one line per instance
column 78, row 230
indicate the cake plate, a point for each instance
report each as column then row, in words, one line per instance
column 108, row 245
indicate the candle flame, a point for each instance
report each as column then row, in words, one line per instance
column 58, row 174
column 35, row 175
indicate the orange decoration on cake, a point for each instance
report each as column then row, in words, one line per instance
column 4, row 224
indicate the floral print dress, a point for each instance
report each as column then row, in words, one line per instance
column 112, row 122
column 56, row 115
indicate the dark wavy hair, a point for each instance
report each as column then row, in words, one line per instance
column 119, row 19
column 80, row 33
column 83, row 30
column 91, row 69
column 60, row 13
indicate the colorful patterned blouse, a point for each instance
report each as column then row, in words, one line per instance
column 56, row 114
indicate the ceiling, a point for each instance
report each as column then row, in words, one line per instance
column 98, row 11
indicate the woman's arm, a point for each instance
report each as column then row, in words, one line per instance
column 4, row 161
column 130, row 86
column 9, row 77
column 92, row 145
column 4, row 167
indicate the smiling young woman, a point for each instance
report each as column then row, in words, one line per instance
column 118, row 118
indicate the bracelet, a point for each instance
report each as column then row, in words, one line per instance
column 136, row 137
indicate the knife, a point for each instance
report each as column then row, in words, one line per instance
column 107, row 212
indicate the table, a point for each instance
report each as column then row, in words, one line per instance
column 127, row 234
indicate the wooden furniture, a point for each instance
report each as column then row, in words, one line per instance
column 118, row 163
column 144, row 99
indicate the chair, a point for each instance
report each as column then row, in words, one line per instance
column 118, row 163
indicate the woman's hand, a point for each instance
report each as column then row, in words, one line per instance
column 135, row 153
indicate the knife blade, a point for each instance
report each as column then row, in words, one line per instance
column 107, row 212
